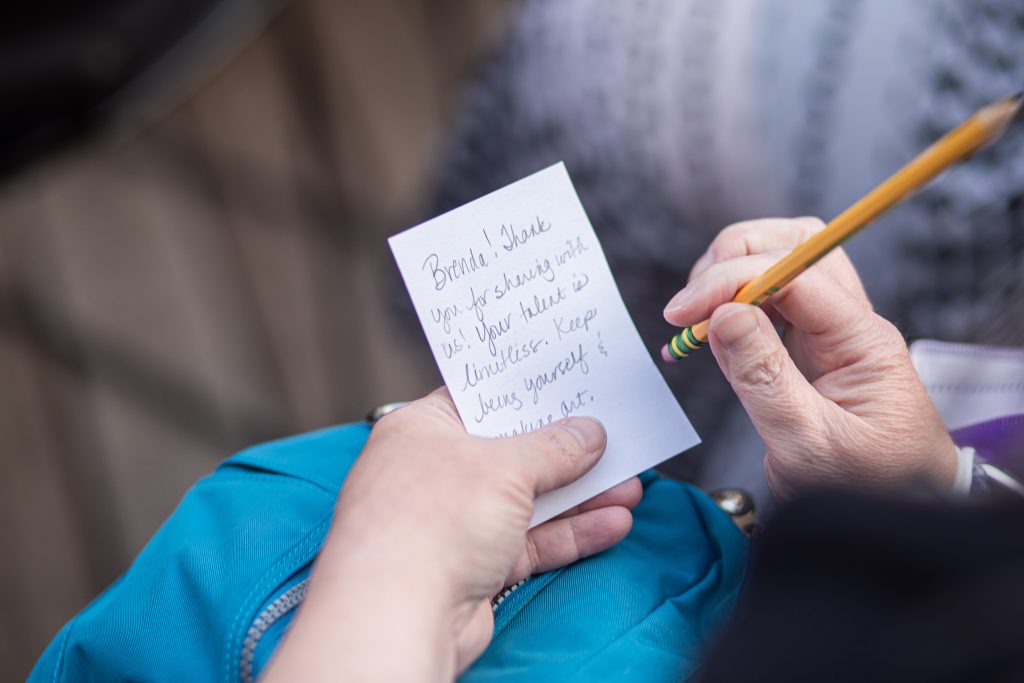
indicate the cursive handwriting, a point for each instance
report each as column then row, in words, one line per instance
column 541, row 269
column 453, row 347
column 577, row 358
column 489, row 333
column 573, row 249
column 579, row 281
column 571, row 405
column 517, row 237
column 445, row 315
column 540, row 304
column 493, row 404
column 508, row 356
column 568, row 324
column 450, row 271
column 525, row 427
column 477, row 303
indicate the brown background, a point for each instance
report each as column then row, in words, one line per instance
column 209, row 277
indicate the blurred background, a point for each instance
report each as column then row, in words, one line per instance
column 200, row 267
column 195, row 196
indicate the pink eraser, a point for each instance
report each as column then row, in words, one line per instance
column 667, row 356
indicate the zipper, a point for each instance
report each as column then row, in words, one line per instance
column 500, row 597
column 291, row 599
column 273, row 612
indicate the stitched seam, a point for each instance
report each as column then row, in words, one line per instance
column 283, row 605
column 972, row 389
column 1003, row 353
column 289, row 480
column 261, row 587
column 227, row 474
column 270, row 579
column 242, row 467
column 61, row 650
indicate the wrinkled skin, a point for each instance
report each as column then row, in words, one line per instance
column 432, row 522
column 835, row 398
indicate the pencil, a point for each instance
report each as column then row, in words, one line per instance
column 987, row 124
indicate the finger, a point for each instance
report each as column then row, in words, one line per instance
column 563, row 541
column 830, row 279
column 557, row 454
column 627, row 494
column 771, row 234
column 818, row 304
column 832, row 321
column 715, row 286
column 474, row 637
column 781, row 403
column 755, row 237
column 837, row 263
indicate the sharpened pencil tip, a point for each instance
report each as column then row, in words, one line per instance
column 1016, row 101
column 998, row 115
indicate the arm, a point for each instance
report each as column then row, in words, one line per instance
column 430, row 524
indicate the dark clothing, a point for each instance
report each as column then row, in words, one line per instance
column 845, row 587
column 62, row 60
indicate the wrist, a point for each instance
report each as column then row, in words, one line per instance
column 944, row 465
column 405, row 556
column 366, row 603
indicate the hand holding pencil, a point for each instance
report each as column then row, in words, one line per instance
column 836, row 400
column 983, row 127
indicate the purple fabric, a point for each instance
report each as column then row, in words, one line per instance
column 999, row 442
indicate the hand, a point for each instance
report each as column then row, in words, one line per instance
column 836, row 399
column 431, row 523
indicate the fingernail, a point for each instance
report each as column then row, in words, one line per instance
column 735, row 328
column 588, row 431
column 679, row 301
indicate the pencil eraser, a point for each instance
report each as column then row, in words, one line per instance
column 666, row 355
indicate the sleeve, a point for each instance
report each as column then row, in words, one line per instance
column 850, row 587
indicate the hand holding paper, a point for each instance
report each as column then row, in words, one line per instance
column 527, row 326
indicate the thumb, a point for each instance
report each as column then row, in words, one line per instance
column 559, row 453
column 780, row 401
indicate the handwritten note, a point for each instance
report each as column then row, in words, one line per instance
column 527, row 326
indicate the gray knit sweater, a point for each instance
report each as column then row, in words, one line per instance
column 677, row 117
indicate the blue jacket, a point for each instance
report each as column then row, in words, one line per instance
column 209, row 598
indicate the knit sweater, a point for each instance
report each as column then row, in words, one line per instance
column 678, row 117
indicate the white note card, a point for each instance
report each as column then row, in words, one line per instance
column 527, row 326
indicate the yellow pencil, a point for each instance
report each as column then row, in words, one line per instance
column 984, row 126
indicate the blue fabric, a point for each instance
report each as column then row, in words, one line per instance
column 249, row 532
column 641, row 611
